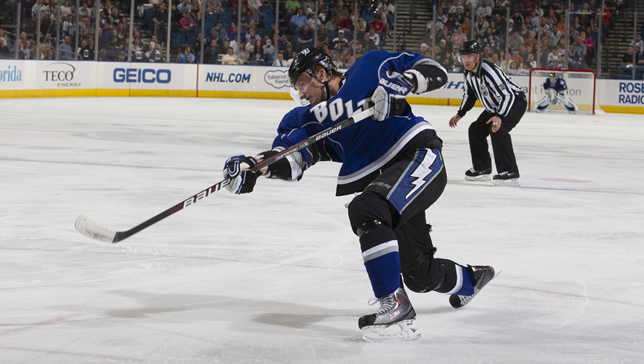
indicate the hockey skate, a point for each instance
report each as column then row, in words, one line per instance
column 474, row 175
column 394, row 320
column 483, row 274
column 506, row 179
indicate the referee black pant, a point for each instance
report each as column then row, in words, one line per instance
column 501, row 140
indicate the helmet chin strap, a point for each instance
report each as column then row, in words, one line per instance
column 326, row 86
column 328, row 92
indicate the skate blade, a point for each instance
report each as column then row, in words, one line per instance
column 483, row 177
column 400, row 331
column 507, row 182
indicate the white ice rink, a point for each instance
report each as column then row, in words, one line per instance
column 277, row 276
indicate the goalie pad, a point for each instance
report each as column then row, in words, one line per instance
column 569, row 105
column 543, row 104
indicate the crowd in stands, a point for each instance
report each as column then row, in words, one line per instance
column 344, row 29
column 513, row 42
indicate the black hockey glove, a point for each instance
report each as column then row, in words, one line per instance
column 237, row 168
column 389, row 98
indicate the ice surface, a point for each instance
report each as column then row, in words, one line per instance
column 253, row 278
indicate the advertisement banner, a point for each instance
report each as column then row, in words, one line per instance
column 12, row 75
column 223, row 80
column 147, row 76
column 63, row 75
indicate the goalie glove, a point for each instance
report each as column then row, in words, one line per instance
column 389, row 98
column 242, row 179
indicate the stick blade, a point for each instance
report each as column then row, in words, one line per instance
column 89, row 228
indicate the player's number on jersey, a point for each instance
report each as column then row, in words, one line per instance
column 336, row 108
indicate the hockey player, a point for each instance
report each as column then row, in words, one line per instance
column 394, row 160
column 555, row 88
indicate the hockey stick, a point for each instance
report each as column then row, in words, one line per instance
column 96, row 231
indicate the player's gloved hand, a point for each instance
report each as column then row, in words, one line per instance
column 237, row 168
column 389, row 98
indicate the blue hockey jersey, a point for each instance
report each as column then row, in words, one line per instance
column 368, row 146
column 559, row 85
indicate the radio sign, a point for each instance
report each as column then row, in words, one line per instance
column 145, row 75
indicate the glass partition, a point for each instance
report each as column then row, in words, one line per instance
column 517, row 35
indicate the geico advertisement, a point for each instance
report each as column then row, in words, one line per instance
column 243, row 78
column 63, row 75
column 12, row 74
column 148, row 76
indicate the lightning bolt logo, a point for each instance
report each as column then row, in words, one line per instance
column 421, row 172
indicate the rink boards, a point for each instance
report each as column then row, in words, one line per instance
column 82, row 79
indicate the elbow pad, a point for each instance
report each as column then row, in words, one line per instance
column 427, row 75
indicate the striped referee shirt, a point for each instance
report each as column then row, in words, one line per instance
column 492, row 87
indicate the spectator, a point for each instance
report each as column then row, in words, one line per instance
column 305, row 37
column 530, row 62
column 342, row 22
column 153, row 54
column 65, row 50
column 85, row 10
column 269, row 51
column 377, row 24
column 314, row 22
column 513, row 68
column 515, row 41
column 255, row 4
column 222, row 49
column 256, row 55
column 298, row 20
column 389, row 9
column 137, row 49
column 339, row 41
column 638, row 45
column 459, row 37
column 280, row 61
column 210, row 53
column 64, row 9
column 184, row 7
column 186, row 55
column 485, row 10
column 575, row 61
column 69, row 28
column 252, row 36
column 292, row 6
column 243, row 53
column 188, row 24
column 367, row 43
column 626, row 63
column 283, row 43
column 4, row 44
column 160, row 20
column 230, row 57
column 375, row 38
column 480, row 27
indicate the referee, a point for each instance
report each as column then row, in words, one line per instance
column 504, row 104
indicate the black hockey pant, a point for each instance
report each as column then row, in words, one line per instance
column 420, row 270
column 501, row 140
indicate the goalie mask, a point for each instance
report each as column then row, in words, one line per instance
column 553, row 77
column 305, row 62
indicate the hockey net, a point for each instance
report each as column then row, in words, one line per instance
column 581, row 88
